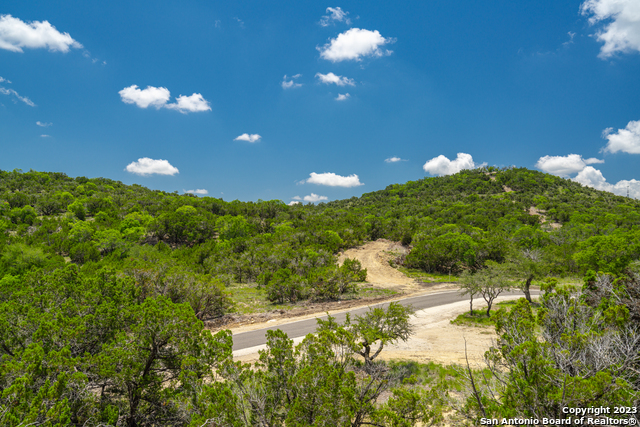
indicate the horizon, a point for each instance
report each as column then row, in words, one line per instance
column 319, row 102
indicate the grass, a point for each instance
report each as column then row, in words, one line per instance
column 250, row 299
column 427, row 373
column 415, row 273
column 480, row 318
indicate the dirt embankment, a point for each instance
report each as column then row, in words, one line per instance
column 375, row 257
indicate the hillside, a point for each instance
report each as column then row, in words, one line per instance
column 486, row 214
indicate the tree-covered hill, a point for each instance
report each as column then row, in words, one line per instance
column 454, row 222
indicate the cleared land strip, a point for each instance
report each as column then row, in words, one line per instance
column 300, row 328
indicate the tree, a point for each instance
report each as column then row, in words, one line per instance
column 447, row 253
column 469, row 286
column 143, row 370
column 527, row 265
column 376, row 326
column 609, row 253
column 489, row 282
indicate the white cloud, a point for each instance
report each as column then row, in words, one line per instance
column 313, row 198
column 622, row 31
column 24, row 99
column 570, row 41
column 332, row 78
column 2, row 79
column 198, row 191
column 146, row 166
column 333, row 180
column 16, row 34
column 293, row 202
column 190, row 104
column 343, row 97
column 335, row 14
column 43, row 124
column 443, row 166
column 291, row 84
column 626, row 140
column 249, row 138
column 564, row 165
column 354, row 44
column 592, row 177
column 296, row 198
column 45, row 136
column 151, row 96
column 394, row 159
column 158, row 97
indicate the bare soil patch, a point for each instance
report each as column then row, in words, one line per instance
column 375, row 257
column 535, row 211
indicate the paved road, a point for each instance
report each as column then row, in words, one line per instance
column 301, row 328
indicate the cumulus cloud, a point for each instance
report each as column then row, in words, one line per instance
column 290, row 84
column 592, row 177
column 441, row 165
column 564, row 165
column 190, row 104
column 333, row 180
column 332, row 78
column 12, row 92
column 158, row 97
column 313, row 198
column 343, row 97
column 151, row 96
column 146, row 166
column 293, row 202
column 335, row 14
column 198, row 191
column 355, row 44
column 394, row 159
column 16, row 34
column 622, row 31
column 626, row 140
column 297, row 198
column 43, row 124
column 249, row 138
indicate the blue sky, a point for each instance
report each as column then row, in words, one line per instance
column 317, row 101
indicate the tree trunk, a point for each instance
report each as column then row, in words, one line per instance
column 471, row 306
column 525, row 289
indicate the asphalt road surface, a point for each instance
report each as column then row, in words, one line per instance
column 301, row 328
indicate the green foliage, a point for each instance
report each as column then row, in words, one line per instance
column 77, row 209
column 584, row 356
column 609, row 253
column 450, row 252
column 284, row 286
column 324, row 380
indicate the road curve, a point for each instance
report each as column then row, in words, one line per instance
column 301, row 328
